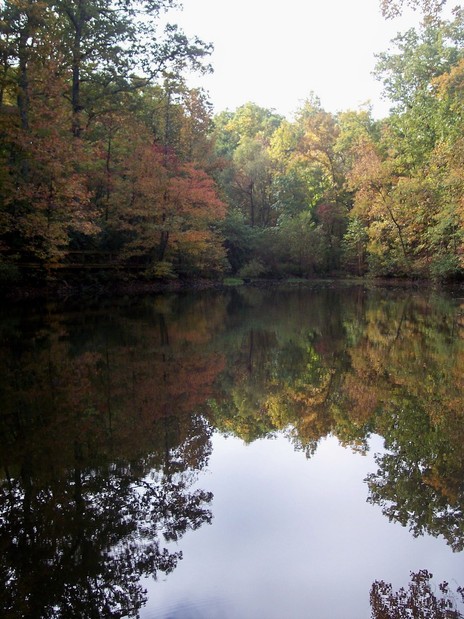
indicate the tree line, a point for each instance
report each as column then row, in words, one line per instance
column 112, row 166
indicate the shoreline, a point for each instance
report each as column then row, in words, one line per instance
column 60, row 291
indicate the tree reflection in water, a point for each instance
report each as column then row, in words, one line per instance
column 106, row 419
column 420, row 600
column 353, row 365
column 78, row 543
column 98, row 468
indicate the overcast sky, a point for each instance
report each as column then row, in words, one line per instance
column 276, row 53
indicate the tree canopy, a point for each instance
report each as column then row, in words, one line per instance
column 111, row 164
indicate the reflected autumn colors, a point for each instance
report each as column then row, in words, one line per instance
column 107, row 413
column 98, row 460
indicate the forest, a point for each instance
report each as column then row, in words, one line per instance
column 113, row 168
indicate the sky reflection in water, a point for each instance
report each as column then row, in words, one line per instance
column 292, row 537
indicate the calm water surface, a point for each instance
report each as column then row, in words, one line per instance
column 255, row 453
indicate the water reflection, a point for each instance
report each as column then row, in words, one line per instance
column 421, row 599
column 107, row 414
column 98, row 463
column 78, row 530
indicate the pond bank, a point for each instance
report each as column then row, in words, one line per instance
column 62, row 290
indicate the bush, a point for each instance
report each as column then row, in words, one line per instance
column 254, row 268
column 445, row 267
column 9, row 272
column 233, row 281
column 161, row 270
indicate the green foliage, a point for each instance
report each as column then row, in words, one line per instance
column 161, row 270
column 300, row 246
column 239, row 239
column 250, row 121
column 254, row 268
column 420, row 57
column 354, row 246
column 233, row 281
column 445, row 267
column 9, row 272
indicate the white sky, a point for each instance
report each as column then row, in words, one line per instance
column 274, row 53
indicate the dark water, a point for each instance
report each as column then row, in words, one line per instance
column 279, row 453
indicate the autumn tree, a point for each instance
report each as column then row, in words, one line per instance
column 396, row 173
column 71, row 74
column 168, row 210
column 374, row 181
column 445, row 232
column 46, row 199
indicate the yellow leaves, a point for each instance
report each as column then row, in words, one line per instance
column 362, row 397
column 378, row 232
column 319, row 133
column 451, row 85
column 162, row 270
column 201, row 250
column 283, row 144
column 277, row 409
column 355, row 128
column 437, row 481
column 370, row 179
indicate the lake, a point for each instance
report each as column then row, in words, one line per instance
column 295, row 451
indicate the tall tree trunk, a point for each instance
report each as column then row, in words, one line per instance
column 23, row 81
column 108, row 176
column 76, row 81
column 164, row 238
column 77, row 15
column 252, row 205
